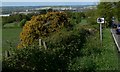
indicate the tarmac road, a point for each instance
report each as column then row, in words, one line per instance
column 116, row 38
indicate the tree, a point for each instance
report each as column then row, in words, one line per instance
column 42, row 26
column 75, row 17
column 105, row 10
column 91, row 16
column 18, row 17
column 117, row 10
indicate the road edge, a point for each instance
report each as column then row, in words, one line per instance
column 115, row 40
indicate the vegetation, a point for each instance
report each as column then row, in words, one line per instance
column 11, row 25
column 117, row 10
column 16, row 18
column 91, row 17
column 72, row 40
column 42, row 26
column 108, row 60
column 10, row 38
column 105, row 10
column 109, row 10
column 97, row 58
column 67, row 51
column 22, row 23
column 76, row 17
column 65, row 46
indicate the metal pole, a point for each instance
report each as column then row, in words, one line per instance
column 101, row 33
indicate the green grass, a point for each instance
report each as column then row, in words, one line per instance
column 0, row 38
column 108, row 59
column 95, row 57
column 11, row 25
column 83, row 22
column 10, row 35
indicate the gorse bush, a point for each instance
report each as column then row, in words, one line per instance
column 42, row 26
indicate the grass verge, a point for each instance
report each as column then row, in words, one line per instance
column 97, row 58
column 108, row 60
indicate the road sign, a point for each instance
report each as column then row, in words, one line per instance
column 100, row 20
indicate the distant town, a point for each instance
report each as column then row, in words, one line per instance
column 7, row 11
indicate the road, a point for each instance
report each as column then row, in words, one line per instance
column 117, row 41
column 116, row 38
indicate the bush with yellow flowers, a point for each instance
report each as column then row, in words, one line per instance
column 42, row 26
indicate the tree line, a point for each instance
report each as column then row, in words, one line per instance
column 109, row 10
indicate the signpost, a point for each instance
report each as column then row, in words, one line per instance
column 100, row 21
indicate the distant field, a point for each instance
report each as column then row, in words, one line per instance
column 10, row 35
column 11, row 25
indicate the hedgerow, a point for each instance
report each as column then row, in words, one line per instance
column 65, row 46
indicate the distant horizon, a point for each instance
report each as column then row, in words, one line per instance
column 47, row 3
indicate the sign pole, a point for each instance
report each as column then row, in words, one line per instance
column 100, row 21
column 101, row 33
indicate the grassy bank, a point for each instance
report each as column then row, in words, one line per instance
column 97, row 58
column 108, row 60
column 10, row 36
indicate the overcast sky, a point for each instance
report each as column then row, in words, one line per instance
column 49, row 0
column 46, row 3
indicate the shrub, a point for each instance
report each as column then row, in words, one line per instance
column 92, row 46
column 90, row 50
column 85, row 64
column 33, row 59
column 42, row 26
column 72, row 41
column 75, row 17
column 22, row 23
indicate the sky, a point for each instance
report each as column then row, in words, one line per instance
column 46, row 3
column 49, row 0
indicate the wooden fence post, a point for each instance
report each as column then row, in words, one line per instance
column 44, row 45
column 7, row 53
column 40, row 43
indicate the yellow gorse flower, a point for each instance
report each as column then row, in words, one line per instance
column 41, row 26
